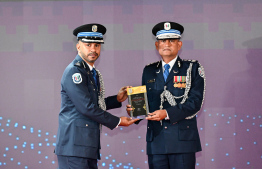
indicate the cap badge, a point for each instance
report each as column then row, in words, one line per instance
column 94, row 28
column 167, row 26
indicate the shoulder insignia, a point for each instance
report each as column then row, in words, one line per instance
column 153, row 63
column 77, row 78
column 80, row 64
column 189, row 60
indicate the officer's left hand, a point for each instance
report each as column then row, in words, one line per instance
column 157, row 115
column 128, row 109
column 122, row 94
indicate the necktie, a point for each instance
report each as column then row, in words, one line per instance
column 166, row 72
column 94, row 75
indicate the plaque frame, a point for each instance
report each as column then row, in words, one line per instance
column 137, row 98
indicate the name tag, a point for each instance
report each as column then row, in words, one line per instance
column 151, row 81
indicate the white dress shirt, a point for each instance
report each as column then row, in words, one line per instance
column 171, row 64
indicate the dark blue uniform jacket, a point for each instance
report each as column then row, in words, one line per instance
column 179, row 134
column 80, row 116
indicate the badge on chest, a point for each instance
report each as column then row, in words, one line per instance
column 180, row 81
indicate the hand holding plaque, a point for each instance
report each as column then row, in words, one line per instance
column 137, row 98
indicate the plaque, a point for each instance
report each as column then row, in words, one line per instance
column 137, row 98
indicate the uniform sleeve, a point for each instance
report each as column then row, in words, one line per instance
column 195, row 98
column 81, row 94
column 112, row 103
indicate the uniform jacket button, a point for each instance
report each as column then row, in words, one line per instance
column 165, row 127
column 86, row 125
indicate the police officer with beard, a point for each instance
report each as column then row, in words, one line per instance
column 83, row 105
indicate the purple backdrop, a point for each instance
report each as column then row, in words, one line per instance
column 37, row 44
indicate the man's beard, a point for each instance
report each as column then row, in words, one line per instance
column 90, row 54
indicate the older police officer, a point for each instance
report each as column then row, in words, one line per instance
column 83, row 107
column 175, row 90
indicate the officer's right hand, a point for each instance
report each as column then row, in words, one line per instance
column 127, row 121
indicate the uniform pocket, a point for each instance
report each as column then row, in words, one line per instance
column 150, row 88
column 86, row 134
column 149, row 134
column 187, row 131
